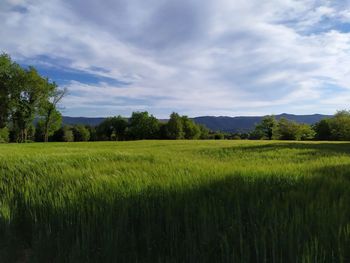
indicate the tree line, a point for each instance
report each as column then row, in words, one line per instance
column 140, row 126
column 336, row 128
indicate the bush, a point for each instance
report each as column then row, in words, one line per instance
column 4, row 135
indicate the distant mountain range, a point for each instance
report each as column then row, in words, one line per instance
column 221, row 123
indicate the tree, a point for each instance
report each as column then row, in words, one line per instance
column 25, row 95
column 29, row 94
column 175, row 127
column 112, row 129
column 266, row 127
column 204, row 132
column 340, row 126
column 81, row 133
column 143, row 126
column 190, row 129
column 67, row 135
column 93, row 133
column 286, row 130
column 63, row 134
column 323, row 130
column 8, row 77
column 305, row 132
column 51, row 118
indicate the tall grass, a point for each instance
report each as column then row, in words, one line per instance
column 175, row 201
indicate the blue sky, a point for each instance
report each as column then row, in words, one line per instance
column 196, row 57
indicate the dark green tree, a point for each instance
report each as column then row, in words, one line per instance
column 340, row 126
column 190, row 129
column 323, row 130
column 266, row 127
column 81, row 133
column 204, row 132
column 143, row 126
column 286, row 130
column 113, row 128
column 175, row 127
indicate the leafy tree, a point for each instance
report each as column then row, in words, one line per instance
column 190, row 129
column 340, row 126
column 29, row 94
column 266, row 127
column 24, row 95
column 305, row 132
column 63, row 134
column 175, row 127
column 323, row 130
column 112, row 129
column 143, row 126
column 9, row 72
column 81, row 133
column 204, row 132
column 51, row 118
column 93, row 133
column 67, row 135
column 286, row 130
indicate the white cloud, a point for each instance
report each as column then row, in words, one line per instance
column 196, row 57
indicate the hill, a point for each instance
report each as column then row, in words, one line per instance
column 221, row 123
column 245, row 124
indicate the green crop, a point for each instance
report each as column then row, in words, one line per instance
column 175, row 201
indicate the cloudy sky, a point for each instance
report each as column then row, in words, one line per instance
column 196, row 57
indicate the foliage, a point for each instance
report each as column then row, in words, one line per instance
column 143, row 126
column 64, row 134
column 340, row 126
column 204, row 132
column 113, row 128
column 266, row 127
column 190, row 129
column 175, row 127
column 175, row 201
column 305, row 132
column 323, row 130
column 335, row 128
column 4, row 135
column 24, row 95
column 81, row 133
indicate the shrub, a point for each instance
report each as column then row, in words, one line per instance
column 4, row 135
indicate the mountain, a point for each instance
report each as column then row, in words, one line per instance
column 221, row 123
column 82, row 120
column 245, row 124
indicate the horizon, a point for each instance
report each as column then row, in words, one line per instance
column 215, row 116
column 198, row 58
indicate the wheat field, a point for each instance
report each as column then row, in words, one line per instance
column 175, row 201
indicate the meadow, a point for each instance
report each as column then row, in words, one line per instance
column 175, row 201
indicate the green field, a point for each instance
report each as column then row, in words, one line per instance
column 175, row 201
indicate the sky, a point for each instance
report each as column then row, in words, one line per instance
column 195, row 57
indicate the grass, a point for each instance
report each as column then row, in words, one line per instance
column 175, row 201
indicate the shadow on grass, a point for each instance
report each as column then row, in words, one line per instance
column 328, row 147
column 231, row 220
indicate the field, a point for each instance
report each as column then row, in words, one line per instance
column 175, row 201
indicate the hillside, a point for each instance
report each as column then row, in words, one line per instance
column 222, row 123
column 244, row 124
